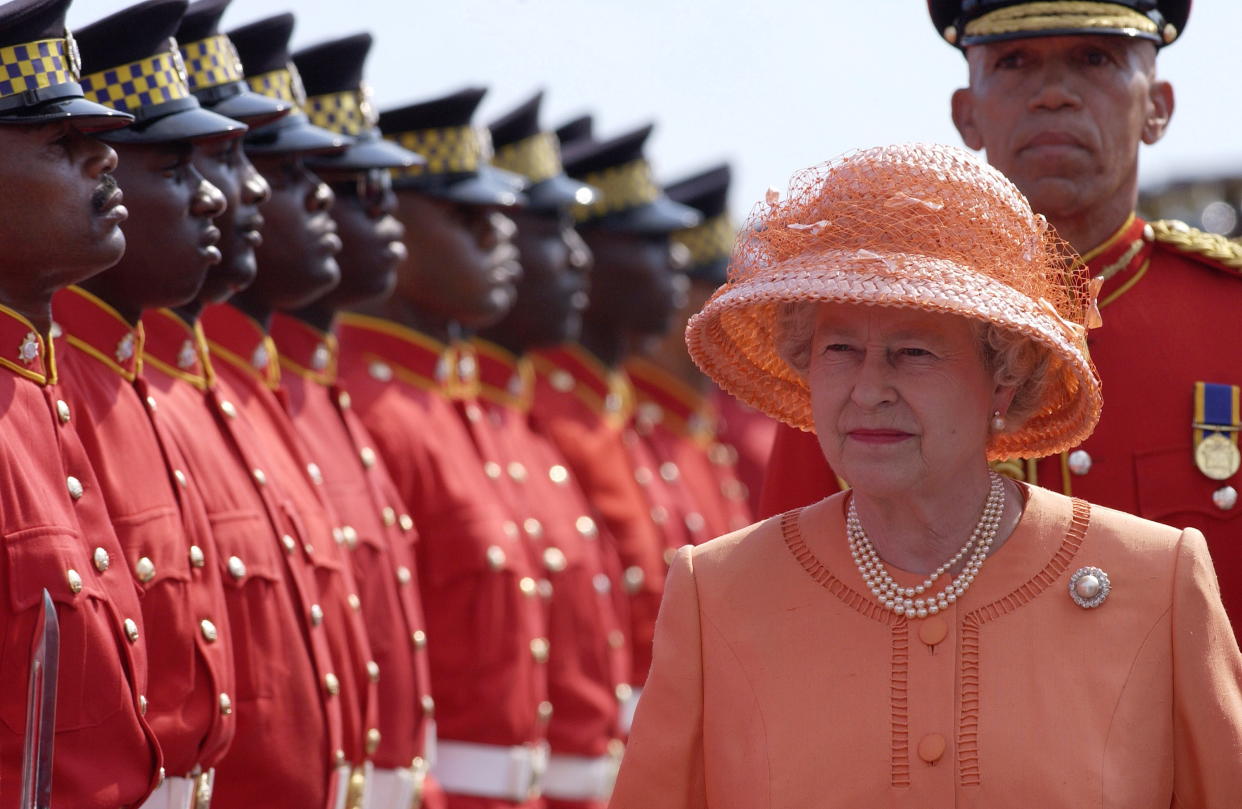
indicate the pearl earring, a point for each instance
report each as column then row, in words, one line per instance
column 998, row 422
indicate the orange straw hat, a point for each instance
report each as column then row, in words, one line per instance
column 919, row 226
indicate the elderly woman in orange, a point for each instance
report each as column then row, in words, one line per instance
column 938, row 635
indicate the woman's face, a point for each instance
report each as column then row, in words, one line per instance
column 901, row 399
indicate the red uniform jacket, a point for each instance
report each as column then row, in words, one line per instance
column 583, row 409
column 288, row 728
column 248, row 366
column 378, row 531
column 746, row 436
column 55, row 529
column 1170, row 303
column 162, row 526
column 589, row 665
column 487, row 640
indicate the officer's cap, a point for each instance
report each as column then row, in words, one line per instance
column 214, row 70
column 525, row 149
column 339, row 100
column 575, row 134
column 711, row 241
column 40, row 70
column 974, row 22
column 130, row 62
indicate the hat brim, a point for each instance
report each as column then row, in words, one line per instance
column 82, row 113
column 659, row 216
column 369, row 151
column 558, row 192
column 294, row 133
column 488, row 186
column 254, row 109
column 734, row 338
column 192, row 124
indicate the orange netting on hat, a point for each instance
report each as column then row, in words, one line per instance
column 921, row 226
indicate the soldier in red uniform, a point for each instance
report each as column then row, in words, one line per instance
column 1061, row 103
column 161, row 522
column 487, row 633
column 59, row 224
column 377, row 528
column 588, row 666
column 583, row 399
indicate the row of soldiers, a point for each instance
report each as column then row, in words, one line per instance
column 346, row 492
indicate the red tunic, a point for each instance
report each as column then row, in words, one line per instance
column 378, row 531
column 487, row 640
column 54, row 527
column 287, row 726
column 247, row 363
column 589, row 666
column 162, row 526
column 1170, row 320
column 747, row 435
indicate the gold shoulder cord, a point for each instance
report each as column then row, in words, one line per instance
column 1191, row 240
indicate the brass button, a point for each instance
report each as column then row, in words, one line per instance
column 634, row 578
column 931, row 747
column 226, row 704
column 429, row 705
column 933, row 630
column 151, row 403
column 517, row 471
column 367, row 455
column 545, row 711
column 527, row 585
column 473, row 414
column 616, row 638
column 624, row 692
column 558, row 474
column 539, row 649
column 554, row 559
column 316, row 474
column 316, row 614
column 289, row 542
column 642, row 476
column 390, row 515
column 144, row 569
column 344, row 400
column 491, row 469
column 260, row 477
column 237, row 568
column 602, row 583
column 309, row 548
column 350, row 535
column 102, row 560
column 695, row 522
column 510, row 529
column 197, row 557
column 75, row 487
column 182, row 480
column 338, row 536
column 354, row 603
column 419, row 638
column 586, row 527
column 669, row 471
column 373, row 671
column 143, row 704
column 332, row 684
column 209, row 630
column 532, row 527
column 403, row 574
column 74, row 579
column 545, row 589
column 659, row 515
column 495, row 557
column 62, row 411
column 227, row 408
column 373, row 741
column 406, row 522
column 131, row 630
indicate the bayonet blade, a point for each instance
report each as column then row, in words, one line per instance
column 41, row 709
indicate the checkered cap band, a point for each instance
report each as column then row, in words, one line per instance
column 35, row 65
column 536, row 158
column 350, row 113
column 284, row 85
column 448, row 150
column 621, row 188
column 710, row 241
column 211, row 62
column 155, row 80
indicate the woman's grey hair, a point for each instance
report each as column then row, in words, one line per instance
column 1013, row 359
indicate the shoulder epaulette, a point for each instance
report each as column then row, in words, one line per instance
column 1212, row 248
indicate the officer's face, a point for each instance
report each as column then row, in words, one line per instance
column 370, row 236
column 60, row 210
column 552, row 293
column 224, row 164
column 463, row 265
column 637, row 285
column 171, row 238
column 297, row 259
column 1063, row 117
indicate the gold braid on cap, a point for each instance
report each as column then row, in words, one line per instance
column 155, row 80
column 710, row 241
column 536, row 158
column 347, row 113
column 211, row 62
column 1051, row 15
column 448, row 150
column 35, row 65
column 284, row 84
column 621, row 188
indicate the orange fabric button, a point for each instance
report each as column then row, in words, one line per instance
column 931, row 747
column 933, row 630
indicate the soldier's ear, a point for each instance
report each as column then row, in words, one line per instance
column 963, row 109
column 1159, row 111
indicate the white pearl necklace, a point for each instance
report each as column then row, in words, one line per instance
column 911, row 601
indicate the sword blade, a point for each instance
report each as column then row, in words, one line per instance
column 41, row 709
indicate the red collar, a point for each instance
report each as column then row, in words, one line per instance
column 176, row 348
column 664, row 399
column 240, row 341
column 23, row 350
column 571, row 369
column 96, row 329
column 390, row 350
column 305, row 350
column 504, row 378
column 1122, row 259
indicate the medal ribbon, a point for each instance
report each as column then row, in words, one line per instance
column 1216, row 411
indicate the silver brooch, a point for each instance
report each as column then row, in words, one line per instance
column 28, row 352
column 125, row 348
column 259, row 359
column 187, row 356
column 1089, row 587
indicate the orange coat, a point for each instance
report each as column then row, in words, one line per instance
column 777, row 683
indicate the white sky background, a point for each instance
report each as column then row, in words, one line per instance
column 772, row 86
